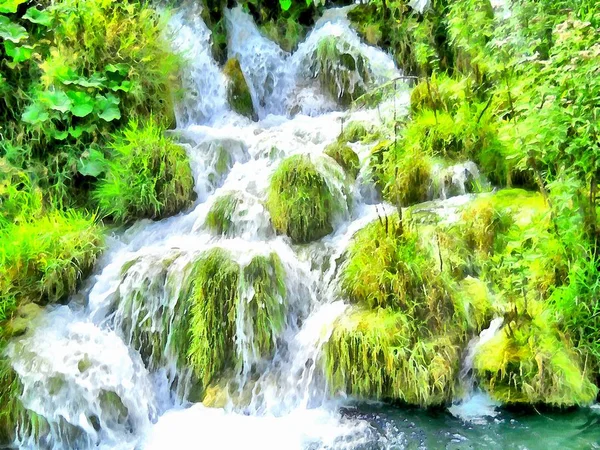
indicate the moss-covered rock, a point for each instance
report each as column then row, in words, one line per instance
column 345, row 157
column 300, row 202
column 221, row 291
column 220, row 215
column 22, row 320
column 440, row 93
column 238, row 92
column 340, row 68
column 530, row 362
column 359, row 132
column 377, row 355
column 11, row 408
column 149, row 176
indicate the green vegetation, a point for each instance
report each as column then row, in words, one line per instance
column 221, row 212
column 300, row 202
column 345, row 157
column 238, row 92
column 217, row 286
column 148, row 176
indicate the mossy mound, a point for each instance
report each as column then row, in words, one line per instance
column 11, row 408
column 345, row 157
column 149, row 176
column 530, row 362
column 220, row 215
column 359, row 132
column 402, row 174
column 22, row 320
column 45, row 259
column 220, row 290
column 340, row 68
column 440, row 93
column 300, row 202
column 238, row 92
column 376, row 355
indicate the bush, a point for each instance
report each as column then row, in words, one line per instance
column 149, row 176
column 300, row 201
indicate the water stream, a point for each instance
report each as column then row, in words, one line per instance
column 103, row 372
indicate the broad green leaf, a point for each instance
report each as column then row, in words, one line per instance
column 125, row 86
column 95, row 81
column 57, row 100
column 60, row 135
column 36, row 16
column 107, row 107
column 18, row 53
column 76, row 132
column 83, row 104
column 34, row 114
column 120, row 68
column 92, row 163
column 10, row 6
column 12, row 32
column 285, row 4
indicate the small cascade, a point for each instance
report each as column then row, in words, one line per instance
column 84, row 383
column 459, row 179
column 475, row 406
column 203, row 82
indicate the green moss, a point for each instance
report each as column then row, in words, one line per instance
column 475, row 304
column 359, row 132
column 238, row 93
column 11, row 408
column 22, row 319
column 340, row 69
column 376, row 355
column 214, row 297
column 149, row 176
column 345, row 157
column 530, row 361
column 219, row 291
column 440, row 93
column 300, row 202
column 44, row 260
column 264, row 280
column 286, row 32
column 219, row 218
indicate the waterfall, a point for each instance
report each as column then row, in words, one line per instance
column 110, row 375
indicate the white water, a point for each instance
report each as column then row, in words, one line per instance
column 122, row 342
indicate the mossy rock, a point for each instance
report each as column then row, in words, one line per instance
column 377, row 355
column 530, row 362
column 220, row 216
column 287, row 33
column 340, row 68
column 149, row 176
column 300, row 202
column 238, row 92
column 345, row 157
column 217, row 287
column 359, row 132
column 22, row 320
column 11, row 408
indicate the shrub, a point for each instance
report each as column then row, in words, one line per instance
column 300, row 202
column 149, row 176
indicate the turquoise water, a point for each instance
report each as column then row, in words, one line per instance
column 401, row 428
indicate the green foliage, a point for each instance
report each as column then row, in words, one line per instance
column 148, row 176
column 440, row 93
column 43, row 260
column 11, row 409
column 345, row 157
column 375, row 355
column 238, row 92
column 531, row 362
column 300, row 201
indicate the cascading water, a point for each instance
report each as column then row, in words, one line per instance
column 110, row 375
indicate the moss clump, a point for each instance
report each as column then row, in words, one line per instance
column 219, row 217
column 214, row 298
column 300, row 202
column 377, row 355
column 149, row 176
column 483, row 221
column 21, row 322
column 286, row 32
column 359, row 132
column 340, row 68
column 11, row 408
column 238, row 92
column 219, row 291
column 44, row 260
column 529, row 361
column 345, row 157
column 265, row 294
column 440, row 93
